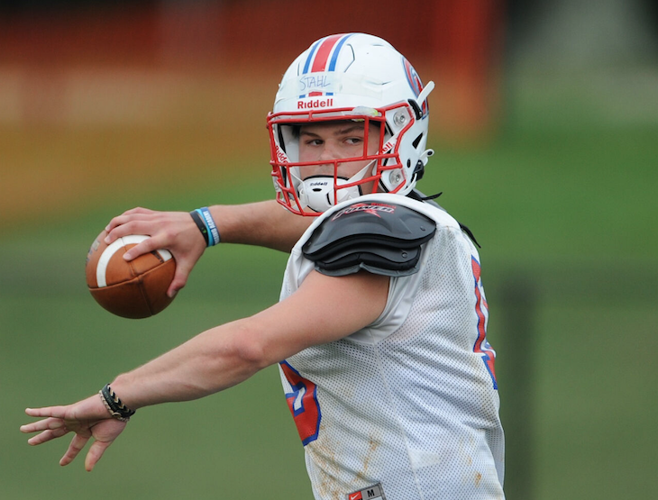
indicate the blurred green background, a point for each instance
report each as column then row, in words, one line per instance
column 149, row 104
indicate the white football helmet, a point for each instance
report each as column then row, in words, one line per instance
column 349, row 77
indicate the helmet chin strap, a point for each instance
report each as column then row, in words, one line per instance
column 317, row 192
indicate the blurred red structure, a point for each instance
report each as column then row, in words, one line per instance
column 457, row 44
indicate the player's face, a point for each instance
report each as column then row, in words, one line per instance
column 332, row 141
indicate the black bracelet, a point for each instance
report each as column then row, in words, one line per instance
column 114, row 405
column 200, row 224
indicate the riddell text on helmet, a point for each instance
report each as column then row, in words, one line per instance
column 317, row 103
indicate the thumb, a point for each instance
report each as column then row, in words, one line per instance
column 180, row 279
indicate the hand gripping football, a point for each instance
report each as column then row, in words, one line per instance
column 135, row 289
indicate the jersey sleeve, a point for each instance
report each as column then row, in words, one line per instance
column 382, row 238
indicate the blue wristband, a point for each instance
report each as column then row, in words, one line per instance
column 213, row 233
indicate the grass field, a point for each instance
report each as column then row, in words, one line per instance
column 568, row 208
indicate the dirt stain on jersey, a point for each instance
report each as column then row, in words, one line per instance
column 323, row 454
column 373, row 444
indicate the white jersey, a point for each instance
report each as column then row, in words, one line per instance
column 406, row 408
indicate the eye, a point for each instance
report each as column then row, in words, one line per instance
column 354, row 141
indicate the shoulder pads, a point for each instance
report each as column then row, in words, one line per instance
column 382, row 238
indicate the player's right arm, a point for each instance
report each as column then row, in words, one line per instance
column 219, row 358
column 264, row 223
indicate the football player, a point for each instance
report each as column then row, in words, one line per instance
column 382, row 320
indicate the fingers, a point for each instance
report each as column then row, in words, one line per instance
column 86, row 419
column 158, row 225
column 136, row 227
column 47, row 411
column 145, row 246
column 42, row 425
column 122, row 225
column 49, row 428
column 120, row 219
column 47, row 435
column 128, row 227
column 155, row 242
column 77, row 444
column 95, row 453
column 174, row 231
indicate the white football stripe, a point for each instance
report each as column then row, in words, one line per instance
column 112, row 248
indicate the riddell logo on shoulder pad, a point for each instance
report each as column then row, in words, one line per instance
column 370, row 208
column 315, row 104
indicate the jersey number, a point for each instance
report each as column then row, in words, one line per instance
column 301, row 396
column 481, row 346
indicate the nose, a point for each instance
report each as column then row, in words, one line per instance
column 329, row 153
column 327, row 156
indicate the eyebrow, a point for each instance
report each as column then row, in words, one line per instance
column 348, row 128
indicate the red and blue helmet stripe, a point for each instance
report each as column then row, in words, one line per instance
column 323, row 56
column 414, row 82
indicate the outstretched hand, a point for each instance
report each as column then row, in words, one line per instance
column 174, row 231
column 87, row 419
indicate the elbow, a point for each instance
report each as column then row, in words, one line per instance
column 250, row 348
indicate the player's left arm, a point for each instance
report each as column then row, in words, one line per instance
column 322, row 310
column 264, row 223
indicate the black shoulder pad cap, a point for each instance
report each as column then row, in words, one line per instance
column 382, row 238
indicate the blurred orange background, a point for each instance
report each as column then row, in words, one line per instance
column 92, row 95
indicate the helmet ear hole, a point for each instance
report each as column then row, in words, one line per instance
column 417, row 141
column 417, row 111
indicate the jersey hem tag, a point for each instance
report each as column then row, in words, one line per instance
column 374, row 492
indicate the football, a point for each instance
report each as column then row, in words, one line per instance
column 135, row 289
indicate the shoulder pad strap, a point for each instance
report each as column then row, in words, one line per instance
column 382, row 238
